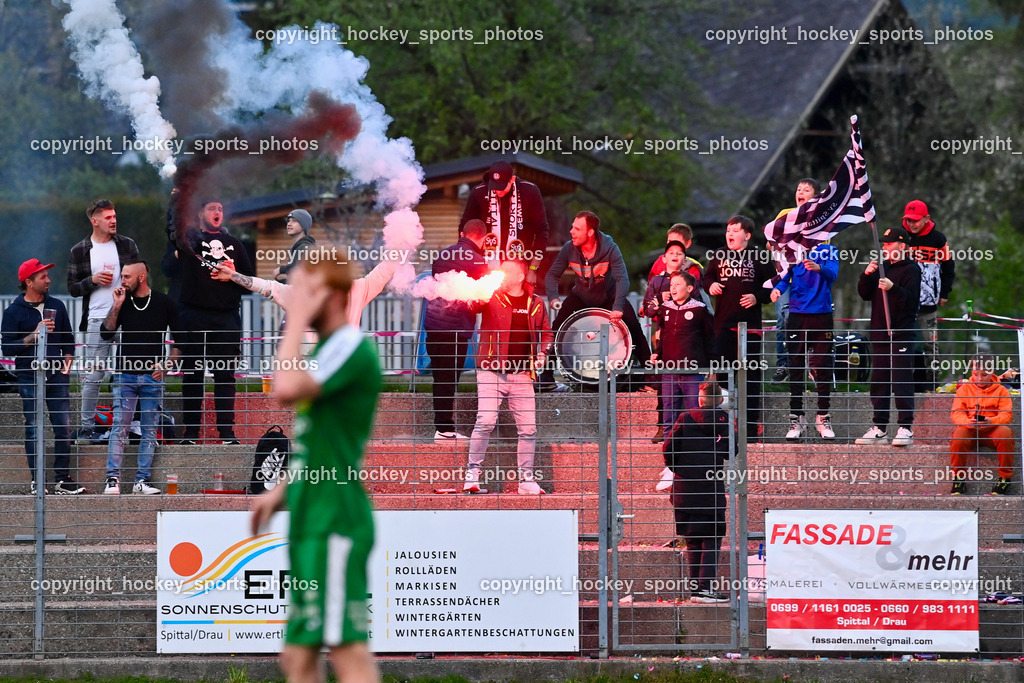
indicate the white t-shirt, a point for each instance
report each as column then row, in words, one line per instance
column 102, row 298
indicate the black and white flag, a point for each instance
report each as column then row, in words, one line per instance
column 845, row 202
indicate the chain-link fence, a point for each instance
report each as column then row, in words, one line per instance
column 597, row 450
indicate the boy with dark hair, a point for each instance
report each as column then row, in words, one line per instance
column 695, row 451
column 684, row 344
column 737, row 279
column 805, row 189
column 809, row 334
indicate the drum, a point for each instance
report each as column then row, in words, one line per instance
column 578, row 344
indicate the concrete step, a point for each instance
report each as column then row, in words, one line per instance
column 415, row 467
column 74, row 628
column 130, row 518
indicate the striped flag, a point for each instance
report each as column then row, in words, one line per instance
column 845, row 202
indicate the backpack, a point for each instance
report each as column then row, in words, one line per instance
column 271, row 460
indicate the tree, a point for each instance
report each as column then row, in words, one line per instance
column 576, row 75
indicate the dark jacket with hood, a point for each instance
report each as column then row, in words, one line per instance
column 695, row 451
column 601, row 281
column 903, row 298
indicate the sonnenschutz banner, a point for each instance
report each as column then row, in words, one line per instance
column 440, row 581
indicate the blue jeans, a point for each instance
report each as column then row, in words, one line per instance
column 679, row 394
column 58, row 405
column 130, row 390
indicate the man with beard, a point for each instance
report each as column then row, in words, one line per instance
column 212, row 324
column 142, row 315
column 21, row 326
column 94, row 271
column 601, row 282
column 513, row 210
column 330, row 530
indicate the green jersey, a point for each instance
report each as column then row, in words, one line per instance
column 325, row 494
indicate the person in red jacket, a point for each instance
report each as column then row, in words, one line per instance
column 982, row 411
column 514, row 335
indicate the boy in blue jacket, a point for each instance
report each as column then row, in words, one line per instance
column 809, row 331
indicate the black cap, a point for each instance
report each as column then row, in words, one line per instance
column 498, row 175
column 893, row 235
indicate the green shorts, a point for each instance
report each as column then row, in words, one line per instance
column 327, row 603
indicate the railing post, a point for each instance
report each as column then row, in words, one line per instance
column 605, row 494
column 40, row 477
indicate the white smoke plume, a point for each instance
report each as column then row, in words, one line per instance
column 112, row 70
column 457, row 286
column 284, row 75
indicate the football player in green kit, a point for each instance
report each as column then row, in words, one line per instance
column 334, row 392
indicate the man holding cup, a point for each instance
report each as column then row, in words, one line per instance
column 94, row 271
column 20, row 330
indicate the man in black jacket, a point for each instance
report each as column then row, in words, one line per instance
column 94, row 271
column 930, row 249
column 513, row 211
column 892, row 339
column 449, row 326
column 695, row 451
column 601, row 282
column 21, row 327
column 212, row 323
column 736, row 277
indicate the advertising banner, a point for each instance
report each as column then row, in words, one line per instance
column 439, row 581
column 876, row 580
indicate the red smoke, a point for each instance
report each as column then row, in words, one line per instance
column 238, row 153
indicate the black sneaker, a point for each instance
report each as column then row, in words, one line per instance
column 959, row 488
column 781, row 375
column 1001, row 488
column 32, row 489
column 68, row 488
column 88, row 436
column 230, row 441
column 188, row 441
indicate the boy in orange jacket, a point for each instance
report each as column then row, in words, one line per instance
column 981, row 412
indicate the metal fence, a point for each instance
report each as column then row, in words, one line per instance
column 596, row 453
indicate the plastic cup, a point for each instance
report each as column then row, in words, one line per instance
column 49, row 314
column 172, row 484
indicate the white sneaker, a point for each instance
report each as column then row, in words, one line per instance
column 113, row 487
column 143, row 487
column 472, row 484
column 667, row 477
column 904, row 437
column 797, row 425
column 530, row 488
column 872, row 436
column 824, row 425
column 448, row 436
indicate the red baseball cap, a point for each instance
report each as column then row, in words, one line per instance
column 30, row 268
column 916, row 210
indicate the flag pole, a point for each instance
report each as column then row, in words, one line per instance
column 881, row 274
